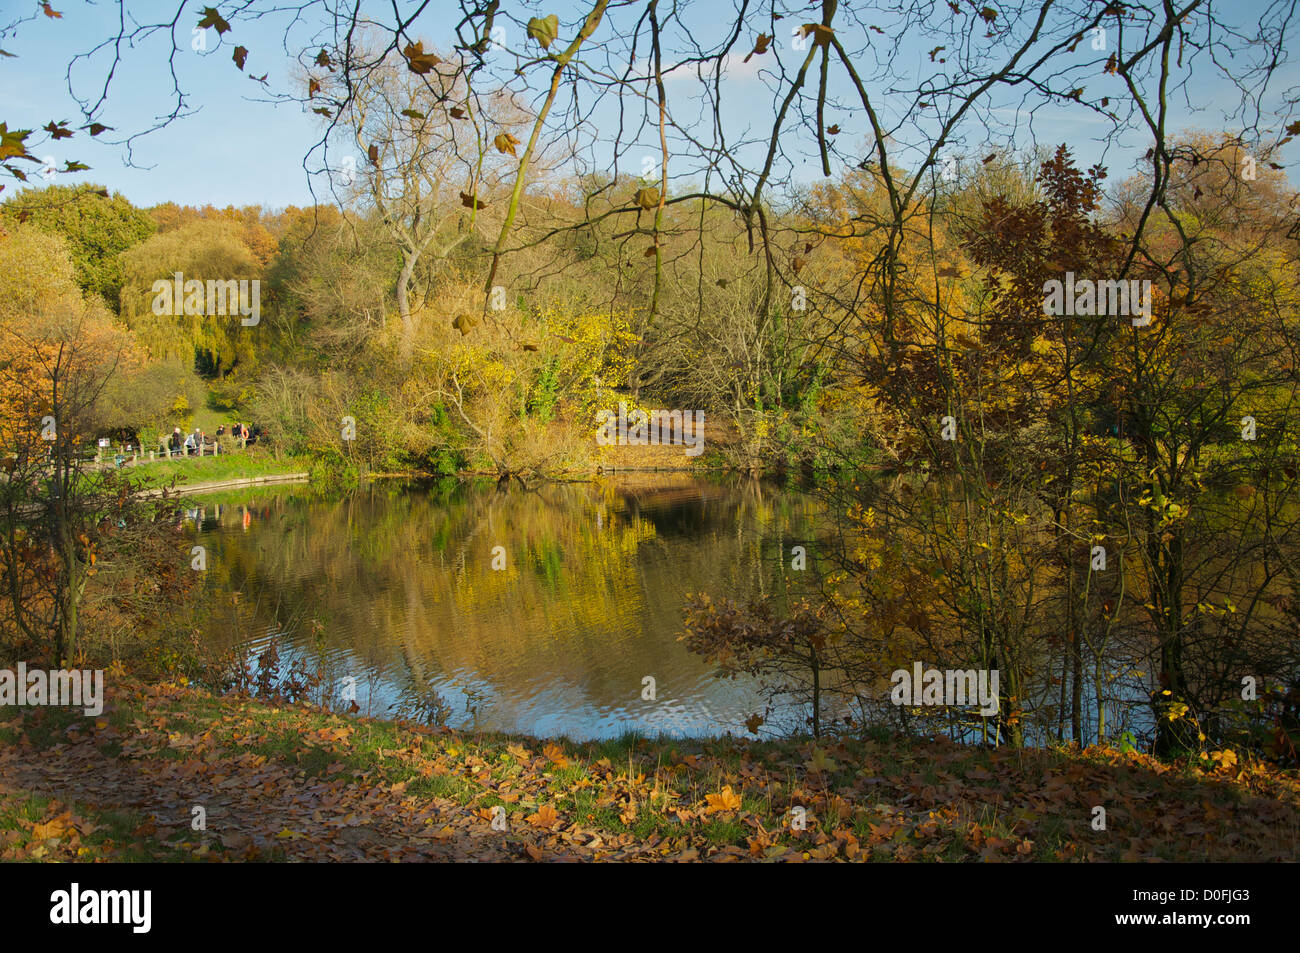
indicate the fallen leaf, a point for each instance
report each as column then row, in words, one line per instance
column 546, row 817
column 724, row 800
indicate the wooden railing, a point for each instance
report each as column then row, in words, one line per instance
column 138, row 455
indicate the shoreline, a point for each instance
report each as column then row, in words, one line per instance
column 304, row 783
column 185, row 488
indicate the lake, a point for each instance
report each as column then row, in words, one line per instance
column 540, row 611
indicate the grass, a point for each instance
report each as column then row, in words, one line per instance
column 220, row 468
column 877, row 798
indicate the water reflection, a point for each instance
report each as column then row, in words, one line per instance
column 395, row 586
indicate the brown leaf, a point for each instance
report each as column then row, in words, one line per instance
column 546, row 817
column 760, row 46
column 505, row 143
column 418, row 61
column 241, row 56
column 211, row 18
column 821, row 34
column 58, row 826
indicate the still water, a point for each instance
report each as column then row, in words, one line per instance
column 395, row 586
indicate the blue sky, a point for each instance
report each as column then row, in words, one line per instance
column 237, row 148
column 231, row 150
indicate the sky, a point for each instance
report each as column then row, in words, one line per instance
column 234, row 146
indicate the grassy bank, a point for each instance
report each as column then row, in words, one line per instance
column 193, row 471
column 284, row 782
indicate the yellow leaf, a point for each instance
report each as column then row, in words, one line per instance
column 505, row 142
column 54, row 828
column 725, row 800
column 544, row 29
column 821, row 761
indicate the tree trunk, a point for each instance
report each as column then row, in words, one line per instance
column 816, row 695
column 404, row 307
column 1177, row 734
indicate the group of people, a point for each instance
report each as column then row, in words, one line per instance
column 191, row 444
column 238, row 432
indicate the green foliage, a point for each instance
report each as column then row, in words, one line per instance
column 202, row 250
column 545, row 393
column 157, row 395
column 97, row 230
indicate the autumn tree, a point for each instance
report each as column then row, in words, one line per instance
column 98, row 228
column 59, row 514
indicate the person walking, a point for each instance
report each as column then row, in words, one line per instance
column 175, row 442
column 190, row 446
